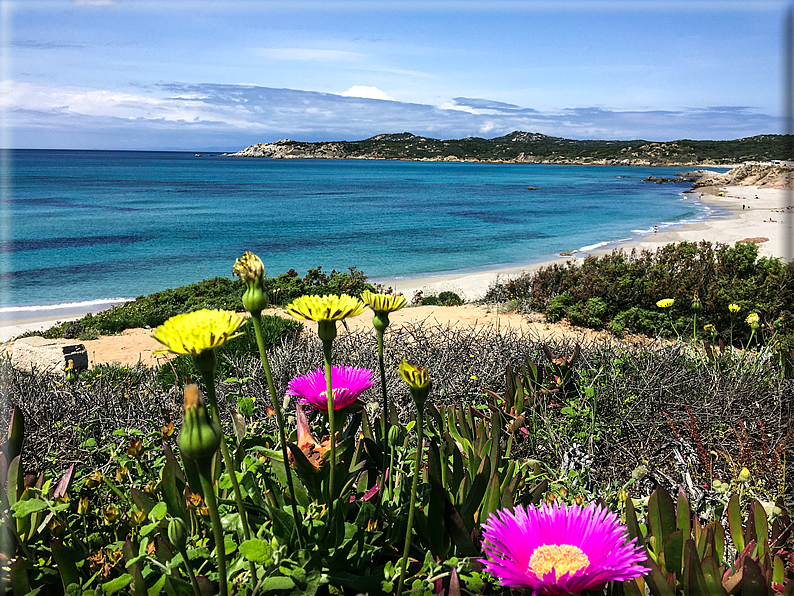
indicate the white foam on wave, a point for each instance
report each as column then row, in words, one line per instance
column 89, row 305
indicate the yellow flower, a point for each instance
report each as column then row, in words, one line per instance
column 710, row 328
column 665, row 303
column 383, row 302
column 752, row 318
column 416, row 377
column 734, row 308
column 325, row 308
column 197, row 332
column 249, row 268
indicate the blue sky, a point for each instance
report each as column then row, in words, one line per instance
column 210, row 75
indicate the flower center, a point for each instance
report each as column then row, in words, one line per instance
column 563, row 558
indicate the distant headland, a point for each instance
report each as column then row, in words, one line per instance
column 534, row 148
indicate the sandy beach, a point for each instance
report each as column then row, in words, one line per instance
column 767, row 219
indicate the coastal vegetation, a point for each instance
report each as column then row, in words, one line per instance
column 524, row 147
column 454, row 448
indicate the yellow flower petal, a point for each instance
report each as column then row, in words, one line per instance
column 416, row 377
column 325, row 308
column 734, row 307
column 197, row 332
column 383, row 302
column 665, row 303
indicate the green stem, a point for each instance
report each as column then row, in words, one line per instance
column 384, row 419
column 189, row 569
column 414, row 485
column 695, row 329
column 257, row 318
column 209, row 381
column 217, row 529
column 331, row 427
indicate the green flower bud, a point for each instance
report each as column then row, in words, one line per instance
column 639, row 472
column 744, row 475
column 418, row 380
column 200, row 436
column 396, row 435
column 177, row 533
column 251, row 271
column 696, row 305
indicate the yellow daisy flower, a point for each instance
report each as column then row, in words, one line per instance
column 752, row 318
column 416, row 377
column 665, row 303
column 325, row 308
column 383, row 302
column 197, row 332
column 734, row 308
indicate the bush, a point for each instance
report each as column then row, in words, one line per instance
column 450, row 299
column 430, row 301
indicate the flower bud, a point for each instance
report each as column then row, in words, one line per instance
column 82, row 506
column 71, row 373
column 251, row 271
column 639, row 472
column 419, row 381
column 111, row 513
column 396, row 435
column 137, row 516
column 744, row 475
column 177, row 533
column 135, row 448
column 200, row 436
column 696, row 304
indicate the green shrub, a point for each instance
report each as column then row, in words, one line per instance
column 557, row 307
column 591, row 314
column 450, row 299
column 431, row 301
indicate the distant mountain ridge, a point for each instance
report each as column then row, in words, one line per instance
column 526, row 147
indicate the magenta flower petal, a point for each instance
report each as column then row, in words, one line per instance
column 347, row 382
column 559, row 549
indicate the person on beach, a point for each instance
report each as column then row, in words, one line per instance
column 655, row 229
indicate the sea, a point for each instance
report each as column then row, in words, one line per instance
column 82, row 230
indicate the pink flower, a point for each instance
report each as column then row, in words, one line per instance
column 347, row 382
column 559, row 549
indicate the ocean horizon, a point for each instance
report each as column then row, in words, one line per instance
column 82, row 230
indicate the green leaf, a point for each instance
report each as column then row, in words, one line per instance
column 158, row 512
column 735, row 523
column 27, row 506
column 270, row 584
column 761, row 529
column 673, row 552
column 117, row 584
column 65, row 561
column 661, row 516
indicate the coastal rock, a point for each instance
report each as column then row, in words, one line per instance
column 49, row 355
column 762, row 175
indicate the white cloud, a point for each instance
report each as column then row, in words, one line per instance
column 311, row 54
column 367, row 93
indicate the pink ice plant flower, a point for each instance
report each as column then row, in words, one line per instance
column 347, row 382
column 559, row 549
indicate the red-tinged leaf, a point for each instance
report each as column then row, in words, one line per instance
column 371, row 492
column 753, row 580
column 712, row 576
column 460, row 534
column 66, row 565
column 760, row 528
column 778, row 570
column 15, row 483
column 16, row 434
column 172, row 495
column 142, row 501
column 717, row 547
column 657, row 580
column 694, row 583
column 674, row 552
column 661, row 516
column 454, row 583
column 631, row 521
column 64, row 483
column 20, row 584
column 735, row 523
column 683, row 514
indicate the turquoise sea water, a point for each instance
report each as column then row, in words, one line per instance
column 90, row 226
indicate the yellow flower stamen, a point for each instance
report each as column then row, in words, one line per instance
column 197, row 332
column 563, row 558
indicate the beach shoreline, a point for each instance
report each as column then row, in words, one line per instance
column 774, row 239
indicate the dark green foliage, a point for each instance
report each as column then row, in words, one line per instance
column 559, row 150
column 450, row 299
column 430, row 301
column 286, row 287
column 620, row 290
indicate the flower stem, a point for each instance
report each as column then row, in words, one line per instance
column 331, row 428
column 257, row 318
column 384, row 420
column 217, row 530
column 209, row 381
column 414, row 485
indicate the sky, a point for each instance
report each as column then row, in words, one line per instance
column 208, row 75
